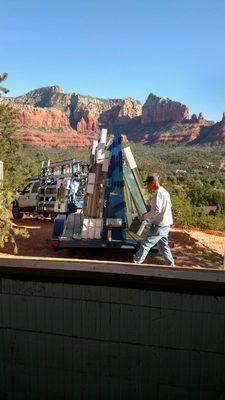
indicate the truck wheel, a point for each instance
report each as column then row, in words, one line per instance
column 17, row 214
column 45, row 215
column 53, row 215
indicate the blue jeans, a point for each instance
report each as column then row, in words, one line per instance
column 156, row 235
column 71, row 197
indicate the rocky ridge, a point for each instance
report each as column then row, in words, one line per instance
column 214, row 134
column 42, row 118
column 198, row 120
column 49, row 117
column 48, row 127
column 48, row 112
column 84, row 112
column 158, row 109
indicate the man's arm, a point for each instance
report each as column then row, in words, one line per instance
column 156, row 207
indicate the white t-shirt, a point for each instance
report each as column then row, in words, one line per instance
column 74, row 186
column 161, row 208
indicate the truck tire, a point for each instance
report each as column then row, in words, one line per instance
column 45, row 214
column 17, row 214
column 53, row 215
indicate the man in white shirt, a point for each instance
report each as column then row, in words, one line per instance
column 73, row 187
column 159, row 218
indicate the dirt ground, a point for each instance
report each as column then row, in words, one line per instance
column 193, row 248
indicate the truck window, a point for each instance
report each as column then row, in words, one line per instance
column 27, row 188
column 35, row 187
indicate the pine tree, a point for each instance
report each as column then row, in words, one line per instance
column 12, row 157
column 3, row 77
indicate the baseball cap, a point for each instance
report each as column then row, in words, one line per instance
column 152, row 178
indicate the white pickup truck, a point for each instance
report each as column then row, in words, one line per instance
column 27, row 200
column 44, row 200
column 43, row 196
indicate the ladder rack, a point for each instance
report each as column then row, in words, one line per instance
column 50, row 173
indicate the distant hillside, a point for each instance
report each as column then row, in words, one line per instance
column 214, row 134
column 165, row 132
column 49, row 117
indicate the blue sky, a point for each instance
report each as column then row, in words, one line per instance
column 116, row 49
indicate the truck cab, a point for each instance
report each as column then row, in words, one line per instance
column 26, row 202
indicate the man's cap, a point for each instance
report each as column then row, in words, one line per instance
column 75, row 175
column 152, row 178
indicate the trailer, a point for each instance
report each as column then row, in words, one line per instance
column 114, row 198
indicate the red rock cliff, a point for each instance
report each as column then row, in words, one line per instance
column 49, row 117
column 157, row 109
column 48, row 127
column 200, row 120
column 213, row 134
column 130, row 109
column 42, row 118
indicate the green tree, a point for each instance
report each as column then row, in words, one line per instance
column 12, row 157
column 3, row 77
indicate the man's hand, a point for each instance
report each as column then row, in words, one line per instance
column 141, row 218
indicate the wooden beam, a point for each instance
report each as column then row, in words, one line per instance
column 115, row 273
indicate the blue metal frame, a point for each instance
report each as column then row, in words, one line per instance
column 114, row 193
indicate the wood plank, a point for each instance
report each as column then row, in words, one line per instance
column 114, row 272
